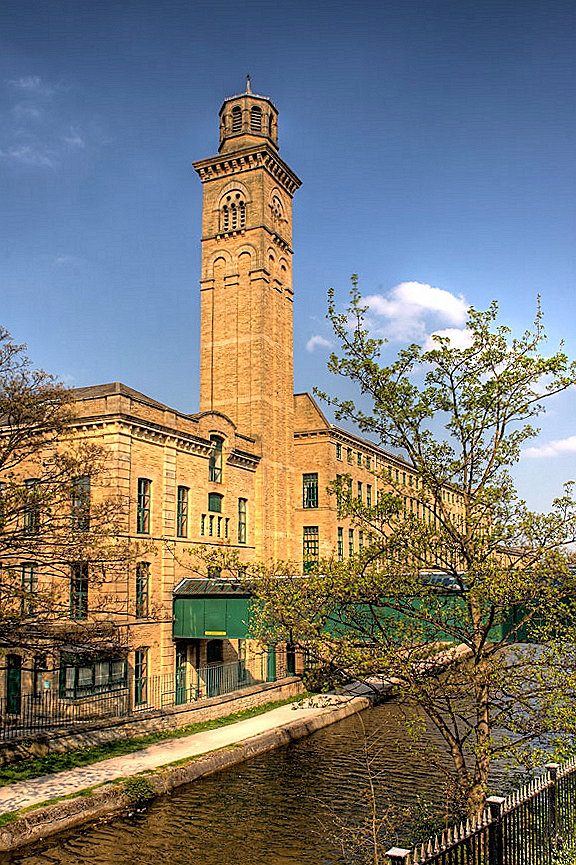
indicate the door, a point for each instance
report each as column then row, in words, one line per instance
column 13, row 684
column 180, row 675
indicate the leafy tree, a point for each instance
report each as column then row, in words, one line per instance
column 59, row 519
column 465, row 598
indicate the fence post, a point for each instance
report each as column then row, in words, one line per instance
column 555, row 839
column 495, row 847
column 398, row 856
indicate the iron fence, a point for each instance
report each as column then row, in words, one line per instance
column 49, row 710
column 529, row 827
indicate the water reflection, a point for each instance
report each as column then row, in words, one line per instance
column 277, row 809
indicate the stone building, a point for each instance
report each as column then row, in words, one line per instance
column 249, row 472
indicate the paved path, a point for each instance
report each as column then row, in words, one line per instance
column 38, row 790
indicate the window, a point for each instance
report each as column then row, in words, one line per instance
column 32, row 506
column 369, row 495
column 29, row 584
column 310, row 547
column 81, row 503
column 142, row 589
column 256, row 119
column 2, row 504
column 39, row 667
column 338, row 451
column 368, row 463
column 140, row 677
column 242, row 503
column 349, row 454
column 359, row 459
column 350, row 542
column 143, row 512
column 340, row 543
column 360, row 539
column 233, row 213
column 86, row 677
column 215, row 462
column 360, row 490
column 310, row 490
column 215, row 502
column 79, row 591
column 182, row 513
column 236, row 119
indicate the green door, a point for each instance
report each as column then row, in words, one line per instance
column 180, row 675
column 271, row 670
column 13, row 684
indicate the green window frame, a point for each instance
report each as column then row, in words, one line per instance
column 350, row 542
column 310, row 490
column 215, row 503
column 32, row 506
column 29, row 584
column 215, row 460
column 80, row 501
column 338, row 451
column 79, row 591
column 369, row 495
column 310, row 547
column 140, row 677
column 340, row 544
column 360, row 490
column 359, row 459
column 349, row 455
column 144, row 506
column 86, row 678
column 142, row 594
column 242, row 510
column 182, row 512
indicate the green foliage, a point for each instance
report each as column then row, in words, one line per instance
column 139, row 790
column 460, row 415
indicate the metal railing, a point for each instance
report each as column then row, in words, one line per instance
column 50, row 710
column 529, row 827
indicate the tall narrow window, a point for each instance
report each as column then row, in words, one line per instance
column 359, row 459
column 140, row 677
column 32, row 506
column 29, row 587
column 369, row 495
column 338, row 451
column 236, row 119
column 310, row 490
column 349, row 454
column 143, row 514
column 256, row 118
column 310, row 547
column 242, row 503
column 340, row 543
column 182, row 513
column 81, row 503
column 215, row 462
column 142, row 589
column 79, row 591
column 360, row 490
column 350, row 542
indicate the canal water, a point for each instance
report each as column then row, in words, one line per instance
column 286, row 807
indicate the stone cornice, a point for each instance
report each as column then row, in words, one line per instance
column 259, row 156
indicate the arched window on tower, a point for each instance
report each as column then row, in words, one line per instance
column 277, row 215
column 236, row 119
column 256, row 118
column 233, row 212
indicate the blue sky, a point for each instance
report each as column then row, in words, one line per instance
column 435, row 140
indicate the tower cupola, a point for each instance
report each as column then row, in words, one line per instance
column 246, row 119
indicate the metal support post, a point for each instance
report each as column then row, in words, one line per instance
column 495, row 846
column 555, row 839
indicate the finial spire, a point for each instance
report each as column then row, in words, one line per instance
column 248, row 84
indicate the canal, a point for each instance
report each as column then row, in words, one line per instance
column 282, row 808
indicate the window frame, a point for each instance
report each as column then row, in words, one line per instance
column 79, row 588
column 182, row 507
column 142, row 590
column 144, row 506
column 310, row 490
column 242, row 520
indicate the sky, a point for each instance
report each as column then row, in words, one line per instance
column 435, row 140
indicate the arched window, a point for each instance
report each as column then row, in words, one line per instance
column 256, row 118
column 233, row 213
column 236, row 119
column 215, row 461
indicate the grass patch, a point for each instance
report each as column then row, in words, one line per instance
column 53, row 763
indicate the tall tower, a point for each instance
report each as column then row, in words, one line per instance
column 246, row 353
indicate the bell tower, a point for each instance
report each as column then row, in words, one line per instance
column 246, row 353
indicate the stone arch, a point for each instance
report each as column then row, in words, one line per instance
column 219, row 254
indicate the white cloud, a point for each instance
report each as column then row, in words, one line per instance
column 459, row 338
column 318, row 340
column 30, row 84
column 74, row 140
column 552, row 449
column 28, row 155
column 411, row 309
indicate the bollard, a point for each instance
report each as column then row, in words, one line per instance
column 398, row 856
column 495, row 847
column 555, row 839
